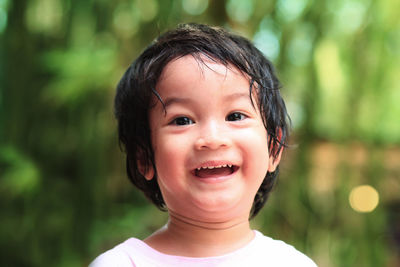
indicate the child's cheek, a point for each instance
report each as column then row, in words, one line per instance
column 256, row 151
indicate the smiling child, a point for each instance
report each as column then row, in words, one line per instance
column 203, row 125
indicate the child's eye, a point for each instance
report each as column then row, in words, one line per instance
column 235, row 116
column 182, row 121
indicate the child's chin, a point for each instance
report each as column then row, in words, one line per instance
column 222, row 209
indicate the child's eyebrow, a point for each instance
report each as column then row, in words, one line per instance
column 235, row 96
column 188, row 101
column 180, row 100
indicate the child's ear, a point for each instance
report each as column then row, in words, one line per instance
column 274, row 161
column 146, row 170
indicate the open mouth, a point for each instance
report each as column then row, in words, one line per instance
column 215, row 171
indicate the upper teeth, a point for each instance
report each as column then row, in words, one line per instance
column 213, row 167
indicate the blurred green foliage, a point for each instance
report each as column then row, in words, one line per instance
column 64, row 197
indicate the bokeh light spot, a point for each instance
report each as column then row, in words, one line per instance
column 266, row 39
column 296, row 112
column 240, row 10
column 364, row 198
column 290, row 9
column 126, row 20
column 268, row 43
column 350, row 16
column 148, row 9
column 301, row 45
column 44, row 16
column 195, row 7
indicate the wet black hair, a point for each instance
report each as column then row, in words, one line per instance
column 137, row 88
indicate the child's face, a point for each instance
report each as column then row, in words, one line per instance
column 211, row 124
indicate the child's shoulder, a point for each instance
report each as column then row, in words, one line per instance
column 119, row 256
column 261, row 251
column 278, row 253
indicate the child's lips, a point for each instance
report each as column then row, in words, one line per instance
column 215, row 172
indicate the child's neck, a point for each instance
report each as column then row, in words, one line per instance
column 187, row 237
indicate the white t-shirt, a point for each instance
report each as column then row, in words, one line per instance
column 261, row 251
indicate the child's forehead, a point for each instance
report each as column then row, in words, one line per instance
column 188, row 76
column 198, row 64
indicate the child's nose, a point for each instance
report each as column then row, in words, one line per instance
column 212, row 136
